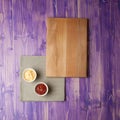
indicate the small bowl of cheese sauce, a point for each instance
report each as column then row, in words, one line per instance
column 29, row 75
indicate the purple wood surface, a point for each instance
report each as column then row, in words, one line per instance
column 23, row 32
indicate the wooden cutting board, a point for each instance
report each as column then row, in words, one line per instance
column 66, row 54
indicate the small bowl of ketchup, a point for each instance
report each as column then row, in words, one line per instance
column 41, row 89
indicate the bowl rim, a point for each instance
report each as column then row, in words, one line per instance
column 46, row 87
column 33, row 71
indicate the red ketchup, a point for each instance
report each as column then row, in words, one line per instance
column 41, row 89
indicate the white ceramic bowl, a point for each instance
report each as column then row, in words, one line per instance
column 30, row 74
column 47, row 89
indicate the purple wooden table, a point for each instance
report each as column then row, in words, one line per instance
column 23, row 32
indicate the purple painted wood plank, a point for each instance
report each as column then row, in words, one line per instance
column 23, row 32
column 115, row 30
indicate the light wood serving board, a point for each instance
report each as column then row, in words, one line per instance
column 66, row 54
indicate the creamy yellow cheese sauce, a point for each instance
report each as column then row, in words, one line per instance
column 29, row 75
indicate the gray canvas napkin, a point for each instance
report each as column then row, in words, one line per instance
column 27, row 90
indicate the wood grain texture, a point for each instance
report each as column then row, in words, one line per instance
column 23, row 32
column 66, row 54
